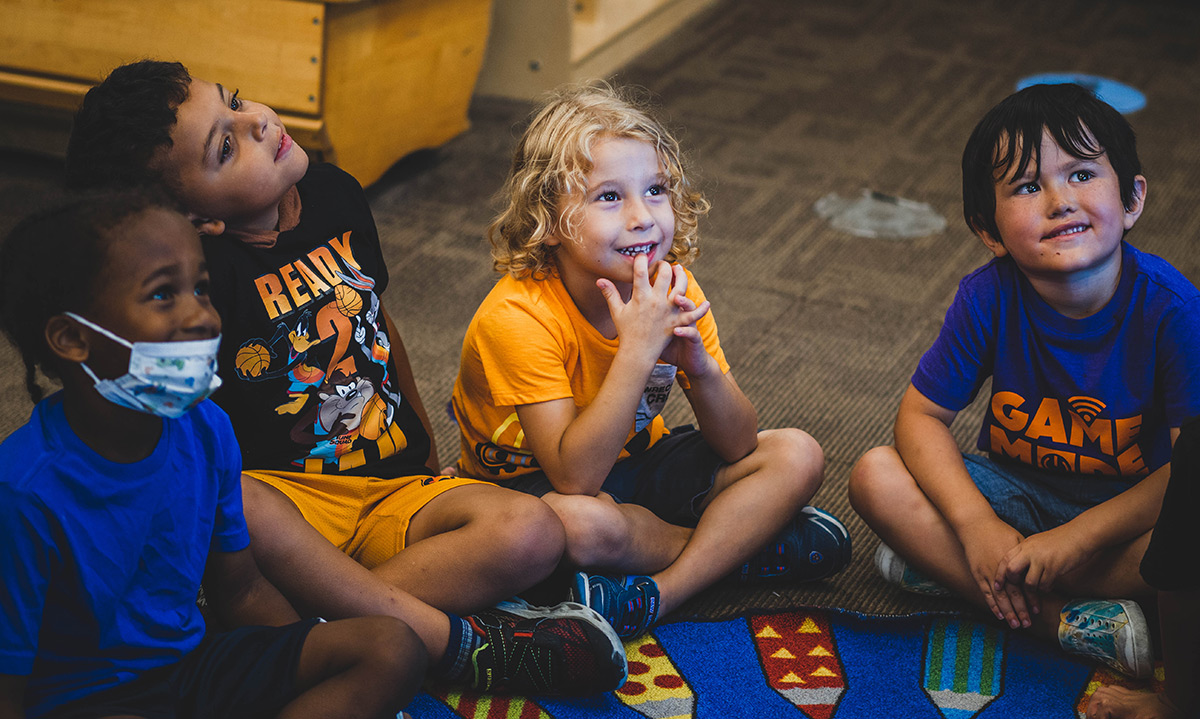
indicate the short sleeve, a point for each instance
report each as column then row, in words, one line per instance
column 523, row 355
column 230, row 533
column 1180, row 362
column 951, row 372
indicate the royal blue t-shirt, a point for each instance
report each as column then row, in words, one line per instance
column 102, row 561
column 1092, row 395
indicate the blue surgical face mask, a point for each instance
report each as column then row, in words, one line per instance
column 164, row 378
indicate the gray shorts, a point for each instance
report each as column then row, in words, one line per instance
column 1032, row 500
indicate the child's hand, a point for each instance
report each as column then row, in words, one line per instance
column 986, row 548
column 1039, row 561
column 686, row 349
column 647, row 321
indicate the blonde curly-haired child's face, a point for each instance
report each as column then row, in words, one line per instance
column 626, row 212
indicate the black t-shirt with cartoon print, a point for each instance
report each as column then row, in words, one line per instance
column 309, row 381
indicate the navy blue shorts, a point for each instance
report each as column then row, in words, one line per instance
column 247, row 673
column 671, row 478
column 1032, row 500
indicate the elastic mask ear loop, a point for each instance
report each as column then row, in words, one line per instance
column 101, row 330
column 98, row 328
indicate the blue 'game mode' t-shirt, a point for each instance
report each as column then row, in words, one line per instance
column 1092, row 395
column 102, row 561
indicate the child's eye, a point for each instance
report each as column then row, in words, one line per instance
column 1083, row 175
column 609, row 196
column 235, row 103
column 226, row 150
column 656, row 190
column 160, row 294
column 1027, row 188
column 202, row 288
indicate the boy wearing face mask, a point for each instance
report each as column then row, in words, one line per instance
column 123, row 491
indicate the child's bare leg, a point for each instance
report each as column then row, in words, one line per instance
column 623, row 538
column 319, row 579
column 369, row 667
column 475, row 545
column 887, row 497
column 751, row 500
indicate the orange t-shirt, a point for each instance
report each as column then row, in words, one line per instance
column 528, row 343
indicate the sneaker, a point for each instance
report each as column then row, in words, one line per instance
column 814, row 545
column 895, row 570
column 628, row 603
column 567, row 649
column 1111, row 630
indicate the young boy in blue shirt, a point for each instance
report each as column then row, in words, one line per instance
column 343, row 497
column 123, row 489
column 1091, row 346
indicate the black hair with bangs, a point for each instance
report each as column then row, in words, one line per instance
column 1009, row 137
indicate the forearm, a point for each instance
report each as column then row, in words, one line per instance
column 727, row 419
column 932, row 456
column 259, row 604
column 239, row 593
column 579, row 459
column 1126, row 516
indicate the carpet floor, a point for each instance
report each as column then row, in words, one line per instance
column 821, row 664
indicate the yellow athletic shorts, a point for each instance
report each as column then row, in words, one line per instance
column 365, row 517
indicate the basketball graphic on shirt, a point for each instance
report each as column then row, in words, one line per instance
column 374, row 418
column 348, row 301
column 252, row 359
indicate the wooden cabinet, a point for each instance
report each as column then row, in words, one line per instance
column 363, row 82
column 536, row 45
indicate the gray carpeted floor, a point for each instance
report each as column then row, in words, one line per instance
column 779, row 103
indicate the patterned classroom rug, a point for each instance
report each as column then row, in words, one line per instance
column 821, row 664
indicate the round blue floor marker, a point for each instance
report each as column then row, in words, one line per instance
column 1122, row 97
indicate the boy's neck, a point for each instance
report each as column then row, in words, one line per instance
column 592, row 305
column 264, row 230
column 1078, row 295
column 116, row 433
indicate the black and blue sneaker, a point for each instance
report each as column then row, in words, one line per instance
column 566, row 650
column 628, row 603
column 814, row 545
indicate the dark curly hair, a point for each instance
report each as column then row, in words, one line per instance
column 122, row 123
column 53, row 262
column 1009, row 137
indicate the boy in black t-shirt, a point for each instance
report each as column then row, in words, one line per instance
column 342, row 494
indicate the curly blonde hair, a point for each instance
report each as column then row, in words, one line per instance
column 544, row 192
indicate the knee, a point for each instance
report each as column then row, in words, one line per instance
column 875, row 480
column 596, row 531
column 395, row 656
column 798, row 452
column 529, row 533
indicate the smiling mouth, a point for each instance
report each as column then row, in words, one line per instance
column 635, row 250
column 1066, row 232
column 285, row 144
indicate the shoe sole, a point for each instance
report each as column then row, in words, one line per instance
column 572, row 610
column 1141, row 639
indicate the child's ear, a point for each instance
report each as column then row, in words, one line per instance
column 66, row 340
column 1137, row 202
column 992, row 243
column 207, row 225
